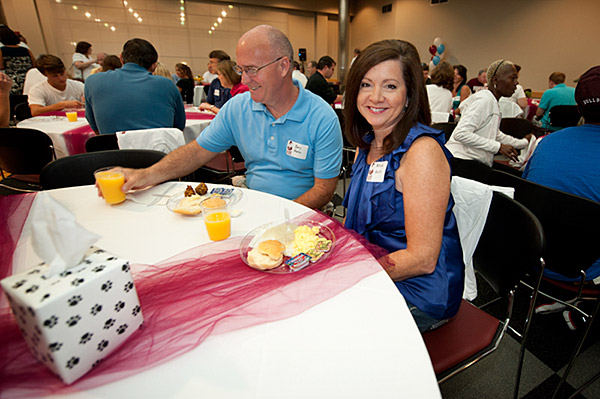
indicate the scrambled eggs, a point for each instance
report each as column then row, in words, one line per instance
column 305, row 239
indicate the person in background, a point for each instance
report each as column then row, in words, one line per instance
column 5, row 86
column 83, row 63
column 439, row 91
column 230, row 79
column 211, row 73
column 558, row 93
column 32, row 77
column 399, row 194
column 479, row 82
column 290, row 140
column 317, row 83
column 162, row 70
column 518, row 96
column 57, row 92
column 298, row 75
column 356, row 54
column 477, row 136
column 100, row 61
column 461, row 91
column 311, row 68
column 15, row 60
column 185, row 84
column 426, row 77
column 216, row 94
column 110, row 63
column 131, row 98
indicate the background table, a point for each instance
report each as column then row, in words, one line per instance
column 362, row 343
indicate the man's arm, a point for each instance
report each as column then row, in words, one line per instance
column 540, row 112
column 37, row 109
column 5, row 85
column 319, row 194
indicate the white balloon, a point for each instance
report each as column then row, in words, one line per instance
column 437, row 41
column 431, row 66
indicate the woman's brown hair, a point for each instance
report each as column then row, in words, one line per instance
column 417, row 109
column 226, row 69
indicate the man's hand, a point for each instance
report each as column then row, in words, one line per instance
column 5, row 84
column 71, row 104
column 509, row 151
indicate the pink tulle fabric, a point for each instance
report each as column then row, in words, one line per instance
column 75, row 139
column 198, row 115
column 80, row 113
column 203, row 291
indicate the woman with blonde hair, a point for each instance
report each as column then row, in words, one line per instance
column 230, row 79
column 162, row 70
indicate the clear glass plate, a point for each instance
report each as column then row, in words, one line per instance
column 173, row 202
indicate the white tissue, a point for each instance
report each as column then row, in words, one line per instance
column 57, row 238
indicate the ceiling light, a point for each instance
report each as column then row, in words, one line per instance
column 220, row 19
column 230, row 6
column 97, row 20
column 87, row 14
column 210, row 32
column 135, row 14
column 113, row 28
column 216, row 24
column 124, row 2
column 130, row 9
column 75, row 7
column 223, row 13
column 105, row 24
column 212, row 28
column 140, row 19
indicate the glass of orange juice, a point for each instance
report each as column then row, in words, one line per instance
column 215, row 211
column 72, row 116
column 110, row 180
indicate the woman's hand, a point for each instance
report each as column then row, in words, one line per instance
column 509, row 151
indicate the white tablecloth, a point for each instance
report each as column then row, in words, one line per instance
column 362, row 343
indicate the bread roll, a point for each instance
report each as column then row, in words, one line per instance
column 189, row 206
column 267, row 255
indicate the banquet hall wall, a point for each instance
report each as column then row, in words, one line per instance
column 541, row 35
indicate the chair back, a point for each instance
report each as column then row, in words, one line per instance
column 78, row 170
column 510, row 245
column 516, row 127
column 446, row 127
column 102, row 142
column 570, row 223
column 24, row 151
column 564, row 116
column 22, row 112
column 16, row 99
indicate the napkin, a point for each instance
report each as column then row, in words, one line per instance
column 57, row 238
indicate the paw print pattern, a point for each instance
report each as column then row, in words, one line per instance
column 109, row 323
column 122, row 328
column 87, row 262
column 96, row 363
column 37, row 330
column 102, row 345
column 35, row 339
column 106, row 286
column 99, row 251
column 136, row 310
column 119, row 306
column 111, row 258
column 73, row 320
column 24, row 332
column 55, row 346
column 32, row 289
column 85, row 338
column 97, row 308
column 98, row 269
column 77, row 282
column 31, row 311
column 128, row 286
column 35, row 271
column 46, row 296
column 66, row 273
column 74, row 300
column 51, row 321
column 72, row 362
column 125, row 267
column 19, row 284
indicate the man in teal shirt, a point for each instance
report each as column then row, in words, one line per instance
column 557, row 94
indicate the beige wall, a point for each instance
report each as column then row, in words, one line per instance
column 542, row 36
column 62, row 26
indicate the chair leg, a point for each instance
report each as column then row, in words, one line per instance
column 577, row 349
column 530, row 312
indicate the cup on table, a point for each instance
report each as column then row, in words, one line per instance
column 72, row 116
column 217, row 218
column 110, row 181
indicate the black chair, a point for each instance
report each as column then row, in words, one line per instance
column 516, row 127
column 78, row 170
column 14, row 100
column 570, row 224
column 24, row 153
column 473, row 334
column 446, row 127
column 22, row 112
column 102, row 142
column 562, row 116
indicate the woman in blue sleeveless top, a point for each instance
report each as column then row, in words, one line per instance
column 399, row 196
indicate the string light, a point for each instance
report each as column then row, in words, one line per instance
column 223, row 13
column 87, row 14
column 75, row 7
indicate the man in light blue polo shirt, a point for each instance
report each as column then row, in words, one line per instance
column 290, row 139
column 557, row 94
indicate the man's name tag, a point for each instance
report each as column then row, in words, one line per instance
column 217, row 92
column 377, row 172
column 296, row 150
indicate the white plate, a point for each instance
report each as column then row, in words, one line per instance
column 173, row 202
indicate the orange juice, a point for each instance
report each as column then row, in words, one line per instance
column 218, row 225
column 110, row 183
column 72, row 116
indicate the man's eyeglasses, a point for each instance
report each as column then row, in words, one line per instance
column 252, row 71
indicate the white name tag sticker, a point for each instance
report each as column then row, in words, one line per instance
column 377, row 172
column 296, row 150
column 217, row 92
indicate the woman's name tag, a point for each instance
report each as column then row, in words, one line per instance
column 377, row 172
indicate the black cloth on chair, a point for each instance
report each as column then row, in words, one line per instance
column 562, row 116
column 102, row 142
column 516, row 127
column 22, row 112
column 446, row 127
column 78, row 170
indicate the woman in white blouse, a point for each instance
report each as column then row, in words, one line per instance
column 439, row 91
column 83, row 63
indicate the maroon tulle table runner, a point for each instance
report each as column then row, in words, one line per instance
column 205, row 290
column 199, row 115
column 80, row 113
column 75, row 139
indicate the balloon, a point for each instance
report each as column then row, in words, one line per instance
column 437, row 41
column 440, row 49
column 431, row 66
column 432, row 49
column 436, row 59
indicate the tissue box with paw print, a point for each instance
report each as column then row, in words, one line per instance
column 71, row 321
